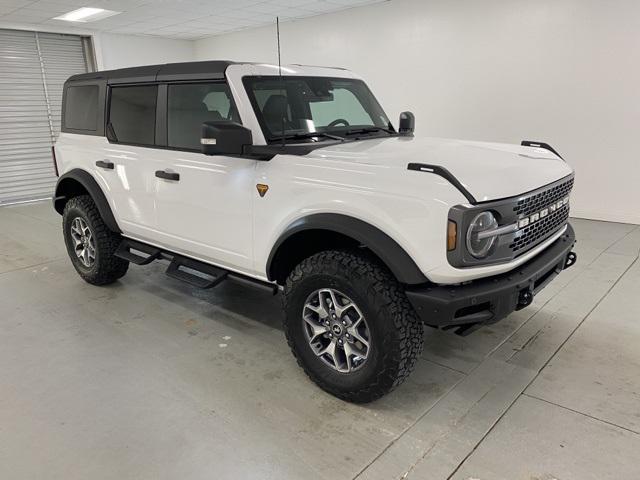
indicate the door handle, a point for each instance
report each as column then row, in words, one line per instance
column 104, row 164
column 168, row 175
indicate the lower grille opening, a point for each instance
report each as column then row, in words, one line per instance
column 543, row 279
column 480, row 310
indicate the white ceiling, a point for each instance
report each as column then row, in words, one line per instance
column 186, row 19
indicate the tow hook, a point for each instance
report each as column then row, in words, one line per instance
column 571, row 259
column 525, row 298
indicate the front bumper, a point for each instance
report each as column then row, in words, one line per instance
column 490, row 299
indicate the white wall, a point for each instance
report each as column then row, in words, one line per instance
column 119, row 51
column 566, row 72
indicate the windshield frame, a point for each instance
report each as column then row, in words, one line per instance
column 322, row 131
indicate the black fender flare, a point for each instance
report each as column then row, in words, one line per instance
column 386, row 248
column 66, row 188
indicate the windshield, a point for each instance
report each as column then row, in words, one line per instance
column 302, row 105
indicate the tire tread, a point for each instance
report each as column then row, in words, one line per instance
column 109, row 268
column 387, row 298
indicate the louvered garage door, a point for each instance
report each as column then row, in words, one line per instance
column 33, row 68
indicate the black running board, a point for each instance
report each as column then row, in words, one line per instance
column 124, row 251
column 188, row 270
column 196, row 273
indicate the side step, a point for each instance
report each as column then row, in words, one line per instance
column 125, row 247
column 193, row 272
column 181, row 268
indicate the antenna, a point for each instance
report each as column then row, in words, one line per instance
column 282, row 92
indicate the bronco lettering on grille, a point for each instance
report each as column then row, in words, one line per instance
column 534, row 217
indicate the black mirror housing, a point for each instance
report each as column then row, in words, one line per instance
column 407, row 124
column 225, row 138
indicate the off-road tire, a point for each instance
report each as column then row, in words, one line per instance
column 396, row 331
column 106, row 268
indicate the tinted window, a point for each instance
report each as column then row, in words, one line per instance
column 191, row 105
column 132, row 114
column 81, row 108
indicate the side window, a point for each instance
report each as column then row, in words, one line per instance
column 132, row 114
column 81, row 108
column 190, row 105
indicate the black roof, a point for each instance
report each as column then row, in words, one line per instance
column 165, row 72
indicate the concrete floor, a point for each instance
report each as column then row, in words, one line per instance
column 151, row 379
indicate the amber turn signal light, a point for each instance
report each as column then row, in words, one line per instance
column 452, row 234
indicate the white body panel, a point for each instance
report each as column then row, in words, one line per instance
column 129, row 187
column 132, row 185
column 215, row 214
column 208, row 213
column 490, row 171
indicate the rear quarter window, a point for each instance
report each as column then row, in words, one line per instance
column 81, row 108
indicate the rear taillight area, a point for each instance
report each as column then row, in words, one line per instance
column 55, row 162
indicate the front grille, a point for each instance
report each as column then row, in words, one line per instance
column 528, row 220
column 535, row 233
column 538, row 201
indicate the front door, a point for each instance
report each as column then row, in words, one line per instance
column 206, row 210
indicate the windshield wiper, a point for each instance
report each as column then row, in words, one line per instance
column 296, row 136
column 367, row 130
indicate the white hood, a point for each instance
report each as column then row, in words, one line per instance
column 488, row 171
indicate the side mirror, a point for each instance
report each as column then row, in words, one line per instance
column 407, row 124
column 225, row 138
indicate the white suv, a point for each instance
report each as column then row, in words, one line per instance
column 296, row 181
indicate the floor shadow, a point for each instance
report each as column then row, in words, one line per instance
column 230, row 303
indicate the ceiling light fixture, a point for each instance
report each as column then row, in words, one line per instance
column 86, row 14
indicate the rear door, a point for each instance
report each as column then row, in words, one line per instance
column 206, row 212
column 130, row 158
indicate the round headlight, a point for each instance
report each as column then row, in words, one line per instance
column 479, row 243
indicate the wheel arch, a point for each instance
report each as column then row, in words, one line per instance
column 324, row 231
column 80, row 182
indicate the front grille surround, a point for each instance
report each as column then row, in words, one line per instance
column 511, row 211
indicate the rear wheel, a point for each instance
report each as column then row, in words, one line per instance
column 350, row 325
column 90, row 243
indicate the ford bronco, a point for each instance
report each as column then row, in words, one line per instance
column 295, row 180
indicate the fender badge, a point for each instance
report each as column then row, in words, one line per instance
column 262, row 189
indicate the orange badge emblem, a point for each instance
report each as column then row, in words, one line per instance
column 262, row 189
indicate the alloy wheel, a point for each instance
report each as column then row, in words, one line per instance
column 336, row 330
column 84, row 244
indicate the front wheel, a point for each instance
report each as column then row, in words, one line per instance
column 350, row 325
